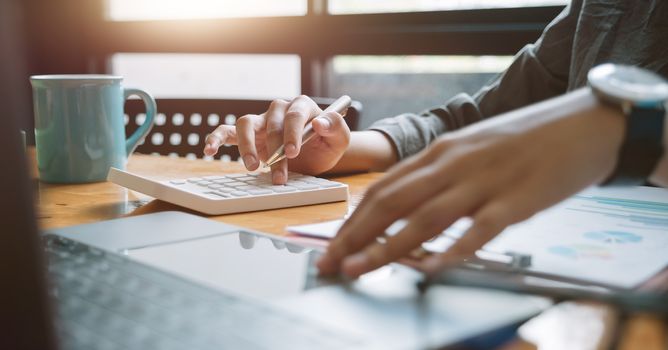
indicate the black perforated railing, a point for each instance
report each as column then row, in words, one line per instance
column 181, row 125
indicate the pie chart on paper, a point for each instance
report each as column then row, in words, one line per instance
column 581, row 251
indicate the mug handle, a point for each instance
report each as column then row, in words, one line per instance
column 151, row 107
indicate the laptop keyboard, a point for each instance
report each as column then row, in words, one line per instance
column 106, row 301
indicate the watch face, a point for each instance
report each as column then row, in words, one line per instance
column 629, row 83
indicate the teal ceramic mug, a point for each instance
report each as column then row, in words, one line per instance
column 79, row 126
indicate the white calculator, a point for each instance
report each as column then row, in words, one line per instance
column 234, row 193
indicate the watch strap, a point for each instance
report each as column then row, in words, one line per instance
column 642, row 147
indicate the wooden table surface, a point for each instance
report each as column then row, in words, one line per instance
column 65, row 205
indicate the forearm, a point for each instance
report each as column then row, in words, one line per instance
column 608, row 132
column 368, row 151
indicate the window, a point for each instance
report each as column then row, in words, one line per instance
column 386, row 85
column 211, row 75
column 391, row 85
column 375, row 6
column 137, row 10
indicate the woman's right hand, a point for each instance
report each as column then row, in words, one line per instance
column 258, row 136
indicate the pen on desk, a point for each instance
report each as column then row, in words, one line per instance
column 339, row 106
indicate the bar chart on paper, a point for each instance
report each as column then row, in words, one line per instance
column 616, row 237
column 613, row 237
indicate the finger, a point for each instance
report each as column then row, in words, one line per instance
column 428, row 221
column 279, row 172
column 246, row 128
column 211, row 146
column 490, row 220
column 400, row 188
column 381, row 208
column 223, row 134
column 275, row 116
column 301, row 110
column 261, row 147
column 333, row 127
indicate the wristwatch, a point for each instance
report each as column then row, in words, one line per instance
column 642, row 96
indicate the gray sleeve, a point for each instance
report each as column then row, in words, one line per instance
column 539, row 71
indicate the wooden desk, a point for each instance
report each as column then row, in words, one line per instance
column 64, row 205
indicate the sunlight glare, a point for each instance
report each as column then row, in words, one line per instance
column 130, row 10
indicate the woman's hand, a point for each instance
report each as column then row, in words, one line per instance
column 258, row 136
column 498, row 172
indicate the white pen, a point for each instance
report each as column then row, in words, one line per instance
column 340, row 106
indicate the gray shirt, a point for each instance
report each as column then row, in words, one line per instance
column 586, row 33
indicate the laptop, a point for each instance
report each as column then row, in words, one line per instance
column 172, row 281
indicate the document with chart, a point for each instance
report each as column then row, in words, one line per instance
column 617, row 236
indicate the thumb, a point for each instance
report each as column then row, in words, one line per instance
column 330, row 124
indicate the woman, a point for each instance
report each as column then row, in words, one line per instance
column 550, row 137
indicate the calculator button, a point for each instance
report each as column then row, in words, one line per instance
column 259, row 191
column 177, row 182
column 247, row 188
column 296, row 182
column 215, row 186
column 195, row 180
column 223, row 180
column 282, row 189
column 263, row 183
column 246, row 178
column 314, row 180
column 239, row 193
column 234, row 176
column 226, row 189
column 213, row 177
column 235, row 184
column 305, row 186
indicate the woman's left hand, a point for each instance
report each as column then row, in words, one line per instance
column 498, row 172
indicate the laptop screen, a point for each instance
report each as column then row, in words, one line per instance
column 24, row 311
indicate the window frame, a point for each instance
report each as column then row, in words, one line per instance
column 92, row 40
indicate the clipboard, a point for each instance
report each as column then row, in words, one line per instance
column 512, row 274
column 605, row 244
